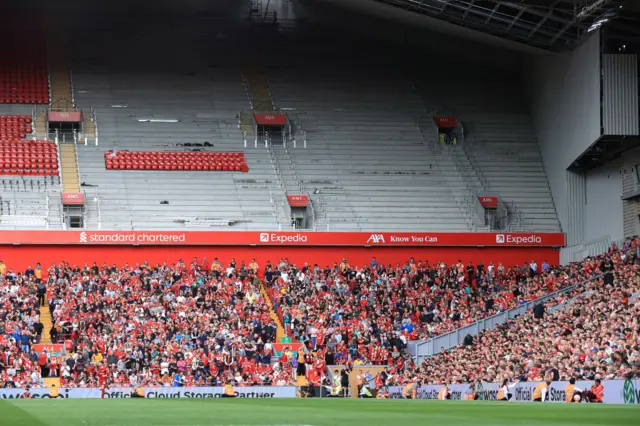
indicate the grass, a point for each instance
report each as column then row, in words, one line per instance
column 195, row 412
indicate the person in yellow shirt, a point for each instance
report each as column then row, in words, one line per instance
column 228, row 391
column 444, row 393
column 573, row 393
column 540, row 392
column 97, row 358
column 53, row 393
column 3, row 269
column 38, row 272
column 409, row 392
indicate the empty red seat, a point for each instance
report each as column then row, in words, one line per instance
column 191, row 161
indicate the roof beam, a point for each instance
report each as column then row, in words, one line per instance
column 466, row 12
column 540, row 23
column 495, row 9
column 515, row 19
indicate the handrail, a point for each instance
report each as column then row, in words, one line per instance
column 73, row 96
column 97, row 199
column 454, row 338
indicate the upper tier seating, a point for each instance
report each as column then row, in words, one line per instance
column 30, row 158
column 23, row 70
column 201, row 96
column 194, row 161
column 14, row 127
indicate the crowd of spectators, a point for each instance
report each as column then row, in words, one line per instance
column 205, row 323
column 368, row 314
column 591, row 332
column 173, row 325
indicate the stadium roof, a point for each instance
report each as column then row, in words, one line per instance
column 547, row 25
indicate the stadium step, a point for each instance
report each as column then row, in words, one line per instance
column 45, row 319
column 88, row 126
column 69, row 164
column 59, row 75
column 259, row 89
column 40, row 126
column 280, row 333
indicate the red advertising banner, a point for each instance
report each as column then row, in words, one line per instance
column 445, row 121
column 50, row 348
column 65, row 117
column 271, row 119
column 488, row 201
column 275, row 238
column 298, row 200
column 72, row 198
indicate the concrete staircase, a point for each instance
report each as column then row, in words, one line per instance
column 88, row 126
column 280, row 333
column 45, row 319
column 259, row 88
column 289, row 177
column 60, row 78
column 40, row 126
column 69, row 164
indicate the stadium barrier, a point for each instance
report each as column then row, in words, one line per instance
column 615, row 391
column 157, row 392
column 421, row 349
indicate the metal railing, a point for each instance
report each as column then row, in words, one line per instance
column 425, row 348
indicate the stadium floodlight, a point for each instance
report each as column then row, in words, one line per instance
column 586, row 11
column 597, row 24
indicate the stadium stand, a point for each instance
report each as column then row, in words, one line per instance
column 499, row 144
column 592, row 333
column 23, row 68
column 192, row 107
column 180, row 326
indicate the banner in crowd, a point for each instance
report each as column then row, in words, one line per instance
column 615, row 391
column 248, row 238
column 158, row 392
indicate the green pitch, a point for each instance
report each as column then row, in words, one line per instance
column 190, row 412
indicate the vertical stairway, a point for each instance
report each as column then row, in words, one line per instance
column 88, row 126
column 45, row 319
column 59, row 73
column 259, row 88
column 280, row 333
column 40, row 126
column 68, row 162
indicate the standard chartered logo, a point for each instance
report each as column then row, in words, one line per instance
column 629, row 392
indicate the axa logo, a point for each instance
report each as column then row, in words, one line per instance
column 269, row 117
column 264, row 237
column 83, row 237
column 376, row 239
column 500, row 238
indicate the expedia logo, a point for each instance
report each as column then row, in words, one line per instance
column 267, row 237
column 500, row 238
column 376, row 239
column 83, row 237
column 630, row 394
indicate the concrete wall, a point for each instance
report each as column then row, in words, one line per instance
column 564, row 94
column 603, row 208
